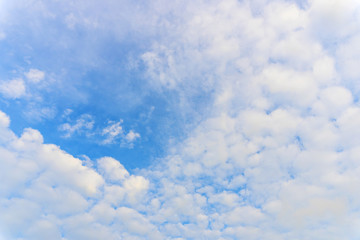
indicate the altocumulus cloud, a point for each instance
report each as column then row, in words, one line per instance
column 277, row 156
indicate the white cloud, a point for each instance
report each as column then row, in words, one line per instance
column 36, row 107
column 132, row 136
column 49, row 193
column 290, row 128
column 333, row 101
column 13, row 89
column 275, row 158
column 112, row 169
column 113, row 131
column 35, row 75
column 4, row 120
column 334, row 19
column 84, row 124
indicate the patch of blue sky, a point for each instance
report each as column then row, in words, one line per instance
column 108, row 90
column 90, row 72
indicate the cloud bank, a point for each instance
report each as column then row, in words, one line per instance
column 274, row 157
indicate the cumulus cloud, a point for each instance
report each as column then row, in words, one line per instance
column 276, row 128
column 49, row 193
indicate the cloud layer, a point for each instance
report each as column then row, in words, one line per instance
column 274, row 157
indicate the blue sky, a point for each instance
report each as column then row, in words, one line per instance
column 86, row 71
column 179, row 120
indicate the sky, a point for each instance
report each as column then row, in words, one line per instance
column 203, row 119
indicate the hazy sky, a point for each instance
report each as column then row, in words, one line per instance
column 202, row 119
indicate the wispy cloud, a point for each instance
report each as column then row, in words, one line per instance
column 114, row 133
column 84, row 124
column 110, row 134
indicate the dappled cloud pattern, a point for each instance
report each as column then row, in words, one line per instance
column 275, row 157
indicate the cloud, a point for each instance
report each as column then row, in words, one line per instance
column 4, row 120
column 35, row 75
column 67, row 113
column 112, row 169
column 49, row 193
column 112, row 132
column 13, row 88
column 35, row 106
column 84, row 124
column 132, row 136
column 275, row 129
column 276, row 156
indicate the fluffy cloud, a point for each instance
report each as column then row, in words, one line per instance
column 49, row 193
column 277, row 127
